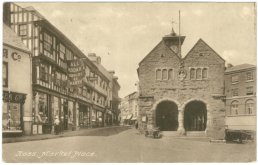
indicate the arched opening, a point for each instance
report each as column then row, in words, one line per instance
column 195, row 116
column 167, row 116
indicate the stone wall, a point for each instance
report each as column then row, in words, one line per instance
column 209, row 91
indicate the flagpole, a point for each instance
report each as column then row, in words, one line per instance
column 179, row 49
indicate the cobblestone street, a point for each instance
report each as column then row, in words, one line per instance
column 127, row 146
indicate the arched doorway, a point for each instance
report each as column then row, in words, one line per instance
column 195, row 116
column 167, row 116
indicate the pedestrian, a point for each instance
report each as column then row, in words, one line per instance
column 56, row 123
column 136, row 125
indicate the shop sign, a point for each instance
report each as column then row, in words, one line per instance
column 76, row 72
column 15, row 56
column 13, row 97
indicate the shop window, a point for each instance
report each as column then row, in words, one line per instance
column 164, row 74
column 234, row 108
column 43, row 115
column 249, row 106
column 192, row 74
column 43, row 72
column 170, row 74
column 249, row 91
column 62, row 51
column 249, row 76
column 48, row 42
column 11, row 119
column 158, row 74
column 198, row 73
column 234, row 79
column 234, row 92
column 5, row 74
column 204, row 73
column 23, row 30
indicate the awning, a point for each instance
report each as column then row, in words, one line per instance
column 129, row 116
column 124, row 117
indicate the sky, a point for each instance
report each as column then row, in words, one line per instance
column 122, row 34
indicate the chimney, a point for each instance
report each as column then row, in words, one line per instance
column 230, row 65
column 98, row 60
column 92, row 57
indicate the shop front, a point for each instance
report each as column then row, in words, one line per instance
column 97, row 116
column 12, row 123
column 84, row 116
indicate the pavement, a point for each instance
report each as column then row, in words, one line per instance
column 125, row 145
column 109, row 130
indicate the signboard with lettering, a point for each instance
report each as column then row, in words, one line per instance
column 13, row 97
column 76, row 73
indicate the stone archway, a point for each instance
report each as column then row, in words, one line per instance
column 195, row 116
column 167, row 115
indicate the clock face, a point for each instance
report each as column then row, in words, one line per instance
column 174, row 48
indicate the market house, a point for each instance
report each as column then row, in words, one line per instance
column 17, row 116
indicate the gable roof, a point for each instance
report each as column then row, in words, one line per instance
column 10, row 38
column 240, row 67
column 201, row 40
column 159, row 44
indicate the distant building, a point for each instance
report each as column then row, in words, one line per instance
column 240, row 91
column 17, row 90
column 130, row 108
column 179, row 94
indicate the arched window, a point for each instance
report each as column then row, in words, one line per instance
column 249, row 106
column 192, row 73
column 170, row 74
column 158, row 74
column 164, row 74
column 204, row 73
column 234, row 108
column 198, row 73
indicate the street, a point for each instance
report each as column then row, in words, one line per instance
column 127, row 146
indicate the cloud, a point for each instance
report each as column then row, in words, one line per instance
column 198, row 12
column 246, row 12
column 57, row 13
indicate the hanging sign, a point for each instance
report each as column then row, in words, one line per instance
column 76, row 73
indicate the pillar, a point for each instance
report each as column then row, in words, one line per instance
column 181, row 129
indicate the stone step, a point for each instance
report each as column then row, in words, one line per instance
column 188, row 134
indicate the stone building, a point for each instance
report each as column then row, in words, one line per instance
column 17, row 90
column 240, row 91
column 182, row 94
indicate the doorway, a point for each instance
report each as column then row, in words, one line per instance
column 167, row 116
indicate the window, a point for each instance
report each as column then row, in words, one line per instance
column 234, row 92
column 57, row 79
column 48, row 43
column 158, row 74
column 61, row 51
column 192, row 73
column 69, row 55
column 22, row 30
column 43, row 113
column 234, row 108
column 43, row 72
column 164, row 74
column 5, row 74
column 249, row 76
column 198, row 73
column 249, row 106
column 234, row 79
column 204, row 73
column 249, row 91
column 170, row 74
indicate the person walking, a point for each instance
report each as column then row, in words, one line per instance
column 136, row 124
column 56, row 123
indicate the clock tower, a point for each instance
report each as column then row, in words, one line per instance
column 174, row 42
